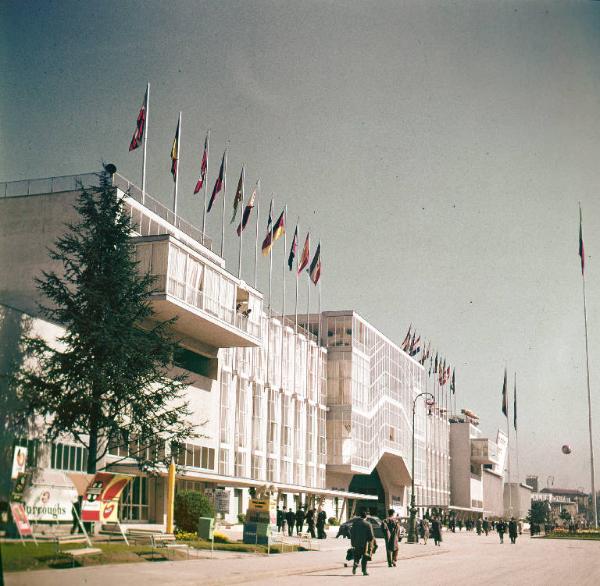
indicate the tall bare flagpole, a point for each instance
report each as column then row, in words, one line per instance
column 587, row 366
column 284, row 263
column 145, row 143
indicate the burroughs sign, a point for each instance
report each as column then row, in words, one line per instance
column 101, row 501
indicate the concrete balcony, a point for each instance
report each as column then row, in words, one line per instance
column 483, row 451
column 213, row 309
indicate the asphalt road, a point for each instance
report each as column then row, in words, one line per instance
column 463, row 559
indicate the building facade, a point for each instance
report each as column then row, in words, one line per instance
column 318, row 411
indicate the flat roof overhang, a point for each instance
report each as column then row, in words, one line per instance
column 250, row 482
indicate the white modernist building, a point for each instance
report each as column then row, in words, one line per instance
column 313, row 419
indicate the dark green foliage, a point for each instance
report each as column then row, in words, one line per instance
column 539, row 514
column 107, row 377
column 190, row 505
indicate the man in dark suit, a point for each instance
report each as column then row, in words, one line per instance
column 391, row 531
column 299, row 520
column 291, row 521
column 362, row 539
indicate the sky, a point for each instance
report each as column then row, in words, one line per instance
column 438, row 150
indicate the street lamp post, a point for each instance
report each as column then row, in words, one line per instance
column 412, row 523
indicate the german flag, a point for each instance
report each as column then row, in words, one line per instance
column 315, row 266
column 239, row 196
column 175, row 154
column 305, row 257
column 276, row 233
column 138, row 133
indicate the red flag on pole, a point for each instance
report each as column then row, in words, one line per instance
column 305, row 258
column 138, row 133
column 293, row 249
column 203, row 167
column 315, row 266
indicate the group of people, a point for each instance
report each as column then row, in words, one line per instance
column 364, row 545
column 314, row 519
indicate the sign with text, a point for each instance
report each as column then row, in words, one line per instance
column 21, row 521
column 101, row 501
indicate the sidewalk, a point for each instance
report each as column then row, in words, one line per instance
column 231, row 568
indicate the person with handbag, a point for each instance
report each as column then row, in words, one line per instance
column 362, row 539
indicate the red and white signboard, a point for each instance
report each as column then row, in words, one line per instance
column 21, row 520
column 19, row 462
column 101, row 501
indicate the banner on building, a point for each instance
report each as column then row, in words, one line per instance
column 19, row 462
column 21, row 521
column 101, row 501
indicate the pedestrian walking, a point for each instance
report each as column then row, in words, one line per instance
column 478, row 526
column 436, row 531
column 76, row 514
column 310, row 522
column 291, row 519
column 512, row 530
column 391, row 532
column 501, row 529
column 280, row 520
column 426, row 530
column 486, row 526
column 321, row 519
column 299, row 520
column 362, row 539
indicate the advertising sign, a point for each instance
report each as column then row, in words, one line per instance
column 19, row 462
column 21, row 520
column 49, row 503
column 221, row 500
column 101, row 501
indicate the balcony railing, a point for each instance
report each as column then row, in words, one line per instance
column 212, row 305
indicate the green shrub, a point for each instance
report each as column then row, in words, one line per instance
column 220, row 537
column 333, row 521
column 241, row 518
column 190, row 505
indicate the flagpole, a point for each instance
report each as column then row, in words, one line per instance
column 510, row 507
column 242, row 219
column 297, row 265
column 270, row 227
column 177, row 169
column 223, row 208
column 205, row 188
column 145, row 143
column 283, row 289
column 256, row 239
column 587, row 365
column 515, row 425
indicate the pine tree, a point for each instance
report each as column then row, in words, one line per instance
column 105, row 382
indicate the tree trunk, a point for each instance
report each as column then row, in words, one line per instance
column 93, row 443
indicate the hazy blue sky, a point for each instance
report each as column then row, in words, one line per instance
column 438, row 149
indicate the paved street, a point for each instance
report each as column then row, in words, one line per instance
column 462, row 559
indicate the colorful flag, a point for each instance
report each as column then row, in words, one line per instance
column 218, row 184
column 581, row 248
column 239, row 196
column 515, row 405
column 279, row 227
column 247, row 211
column 268, row 241
column 175, row 154
column 315, row 266
column 293, row 249
column 504, row 397
column 406, row 340
column 203, row 167
column 138, row 133
column 305, row 257
column 453, row 382
column 435, row 367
